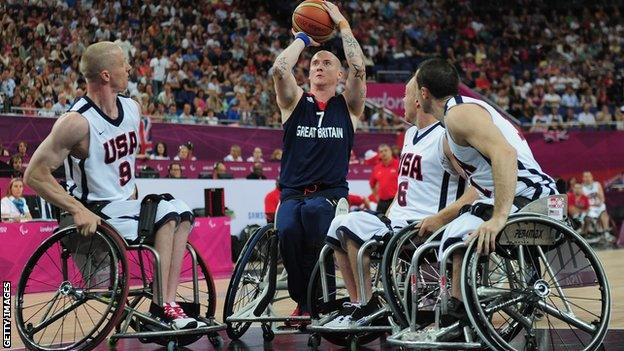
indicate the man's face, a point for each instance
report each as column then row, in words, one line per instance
column 119, row 71
column 578, row 189
column 325, row 69
column 410, row 101
column 385, row 154
column 175, row 171
column 588, row 178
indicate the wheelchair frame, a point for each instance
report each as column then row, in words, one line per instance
column 124, row 314
column 476, row 336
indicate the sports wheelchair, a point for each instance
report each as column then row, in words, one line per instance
column 327, row 294
column 542, row 281
column 258, row 290
column 100, row 283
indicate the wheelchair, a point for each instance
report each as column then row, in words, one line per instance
column 258, row 290
column 103, row 284
column 542, row 281
column 327, row 293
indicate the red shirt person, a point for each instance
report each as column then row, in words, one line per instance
column 578, row 203
column 271, row 200
column 384, row 178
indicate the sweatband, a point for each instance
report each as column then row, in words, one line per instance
column 304, row 37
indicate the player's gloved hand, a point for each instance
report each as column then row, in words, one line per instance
column 312, row 41
column 429, row 225
column 334, row 13
column 86, row 221
column 486, row 234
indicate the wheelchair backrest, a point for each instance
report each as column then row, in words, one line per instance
column 554, row 206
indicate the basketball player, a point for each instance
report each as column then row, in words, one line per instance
column 493, row 154
column 425, row 187
column 98, row 139
column 597, row 208
column 318, row 136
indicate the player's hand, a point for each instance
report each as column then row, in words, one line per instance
column 86, row 221
column 312, row 41
column 429, row 225
column 486, row 234
column 334, row 12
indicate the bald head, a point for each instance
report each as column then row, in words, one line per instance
column 324, row 54
column 99, row 57
column 325, row 69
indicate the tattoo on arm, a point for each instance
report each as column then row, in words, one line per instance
column 281, row 67
column 354, row 54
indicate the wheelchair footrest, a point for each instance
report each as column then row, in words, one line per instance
column 268, row 319
column 350, row 329
column 167, row 333
column 448, row 338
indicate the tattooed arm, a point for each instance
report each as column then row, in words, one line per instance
column 355, row 89
column 286, row 88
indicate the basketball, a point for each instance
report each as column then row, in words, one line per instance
column 310, row 17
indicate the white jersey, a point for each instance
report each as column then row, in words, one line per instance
column 532, row 182
column 107, row 174
column 424, row 186
column 591, row 191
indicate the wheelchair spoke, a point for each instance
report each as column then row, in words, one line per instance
column 552, row 328
column 56, row 316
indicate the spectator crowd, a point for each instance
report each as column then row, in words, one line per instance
column 546, row 63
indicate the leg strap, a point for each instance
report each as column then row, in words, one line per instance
column 147, row 217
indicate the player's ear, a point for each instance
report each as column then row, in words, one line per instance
column 105, row 76
column 425, row 93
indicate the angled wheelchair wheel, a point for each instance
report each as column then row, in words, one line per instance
column 325, row 304
column 196, row 296
column 552, row 284
column 250, row 277
column 396, row 267
column 73, row 290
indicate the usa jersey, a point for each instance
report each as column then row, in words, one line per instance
column 317, row 144
column 424, row 186
column 107, row 174
column 591, row 191
column 532, row 182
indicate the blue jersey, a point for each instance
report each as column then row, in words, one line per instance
column 317, row 144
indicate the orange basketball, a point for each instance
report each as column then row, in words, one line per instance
column 311, row 18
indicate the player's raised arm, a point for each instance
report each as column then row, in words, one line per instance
column 355, row 89
column 286, row 88
column 68, row 132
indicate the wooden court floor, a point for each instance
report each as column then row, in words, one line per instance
column 612, row 260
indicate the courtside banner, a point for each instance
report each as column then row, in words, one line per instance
column 388, row 95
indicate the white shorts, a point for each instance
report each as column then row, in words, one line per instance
column 596, row 211
column 463, row 226
column 124, row 215
column 360, row 226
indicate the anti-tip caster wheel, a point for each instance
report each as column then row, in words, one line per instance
column 216, row 341
column 267, row 334
column 112, row 343
column 353, row 344
column 172, row 345
column 314, row 341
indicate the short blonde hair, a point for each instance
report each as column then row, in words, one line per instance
column 97, row 58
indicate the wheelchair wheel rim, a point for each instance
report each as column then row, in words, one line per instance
column 86, row 290
column 250, row 269
column 570, row 279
